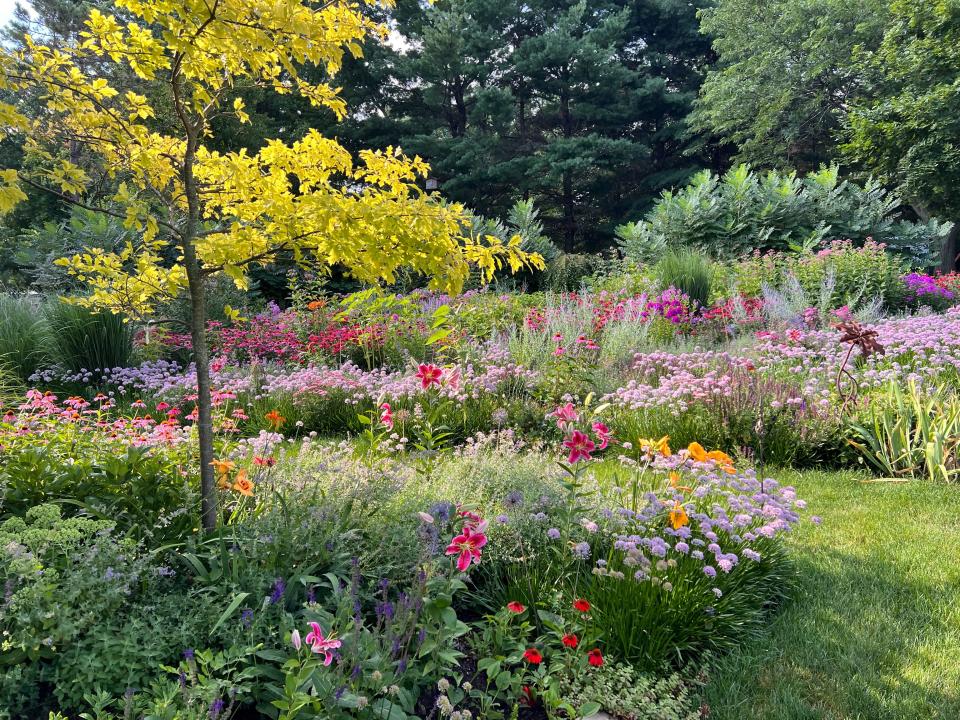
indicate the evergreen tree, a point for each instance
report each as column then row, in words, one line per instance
column 578, row 106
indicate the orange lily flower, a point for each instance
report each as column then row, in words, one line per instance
column 275, row 418
column 678, row 516
column 697, row 452
column 243, row 484
column 223, row 467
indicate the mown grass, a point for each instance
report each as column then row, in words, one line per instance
column 872, row 631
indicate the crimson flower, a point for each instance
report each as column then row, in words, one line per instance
column 428, row 375
column 533, row 656
column 595, row 657
column 516, row 607
column 580, row 447
column 571, row 640
column 467, row 546
column 581, row 605
column 603, row 434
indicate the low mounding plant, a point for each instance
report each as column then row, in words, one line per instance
column 744, row 211
column 910, row 432
column 79, row 339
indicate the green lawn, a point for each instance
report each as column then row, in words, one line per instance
column 873, row 629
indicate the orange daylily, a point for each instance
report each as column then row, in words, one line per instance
column 223, row 467
column 243, row 484
column 661, row 446
column 223, row 482
column 697, row 452
column 275, row 418
column 315, row 305
column 675, row 482
column 723, row 460
column 678, row 516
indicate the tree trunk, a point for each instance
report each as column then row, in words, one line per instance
column 950, row 252
column 566, row 121
column 569, row 219
column 201, row 358
column 198, row 324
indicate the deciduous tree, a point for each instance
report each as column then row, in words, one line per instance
column 201, row 211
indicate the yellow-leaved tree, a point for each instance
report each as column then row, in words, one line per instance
column 199, row 212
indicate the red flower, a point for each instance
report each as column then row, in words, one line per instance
column 533, row 656
column 580, row 447
column 526, row 697
column 515, row 607
column 595, row 657
column 571, row 640
column 581, row 605
column 429, row 375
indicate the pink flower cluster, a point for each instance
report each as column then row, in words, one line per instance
column 578, row 444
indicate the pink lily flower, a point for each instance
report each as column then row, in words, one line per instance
column 580, row 447
column 321, row 645
column 386, row 416
column 467, row 546
column 603, row 434
column 565, row 414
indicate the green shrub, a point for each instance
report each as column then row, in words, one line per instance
column 21, row 336
column 64, row 577
column 569, row 271
column 140, row 489
column 743, row 212
column 689, row 271
column 80, row 339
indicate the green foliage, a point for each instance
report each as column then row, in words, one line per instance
column 66, row 578
column 625, row 691
column 639, row 242
column 910, row 432
column 22, row 336
column 689, row 271
column 139, row 489
column 569, row 271
column 577, row 99
column 744, row 211
column 30, row 254
column 784, row 74
column 903, row 125
column 80, row 339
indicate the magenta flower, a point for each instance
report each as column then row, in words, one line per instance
column 565, row 414
column 386, row 415
column 429, row 375
column 466, row 546
column 319, row 644
column 603, row 434
column 580, row 447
